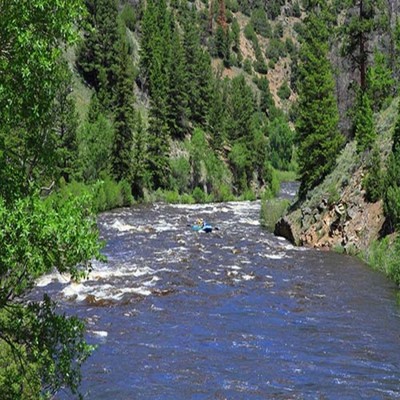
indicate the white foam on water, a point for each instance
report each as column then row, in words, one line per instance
column 121, row 227
column 278, row 256
column 45, row 280
column 79, row 291
column 102, row 334
column 248, row 277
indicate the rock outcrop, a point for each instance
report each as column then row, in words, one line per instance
column 336, row 214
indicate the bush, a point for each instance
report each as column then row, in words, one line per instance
column 198, row 195
column 284, row 91
column 128, row 16
column 271, row 211
column 372, row 182
column 247, row 66
column 260, row 23
column 180, row 171
column 275, row 50
column 249, row 32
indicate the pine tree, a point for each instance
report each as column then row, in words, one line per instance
column 361, row 23
column 391, row 195
column 66, row 125
column 124, row 113
column 199, row 74
column 98, row 56
column 139, row 158
column 178, row 109
column 364, row 129
column 317, row 125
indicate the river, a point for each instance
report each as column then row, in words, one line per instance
column 232, row 314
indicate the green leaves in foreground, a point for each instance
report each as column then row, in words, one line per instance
column 40, row 350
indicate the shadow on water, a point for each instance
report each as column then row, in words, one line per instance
column 233, row 314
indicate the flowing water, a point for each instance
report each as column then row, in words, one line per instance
column 232, row 314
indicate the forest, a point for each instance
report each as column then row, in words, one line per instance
column 106, row 103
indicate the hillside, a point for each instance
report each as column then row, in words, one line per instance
column 336, row 214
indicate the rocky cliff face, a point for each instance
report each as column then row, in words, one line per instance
column 336, row 213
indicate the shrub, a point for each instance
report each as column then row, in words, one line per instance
column 180, row 171
column 271, row 211
column 275, row 50
column 247, row 66
column 372, row 182
column 128, row 16
column 284, row 91
column 198, row 195
column 260, row 23
column 249, row 32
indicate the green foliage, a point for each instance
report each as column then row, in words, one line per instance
column 281, row 139
column 260, row 23
column 318, row 138
column 38, row 236
column 198, row 195
column 296, row 9
column 274, row 8
column 275, row 50
column 380, row 81
column 247, row 66
column 180, row 171
column 361, row 22
column 363, row 123
column 271, row 211
column 124, row 114
column 383, row 255
column 207, row 170
column 97, row 57
column 240, row 160
column 391, row 195
column 29, row 81
column 284, row 91
column 128, row 16
column 249, row 32
column 373, row 181
column 95, row 147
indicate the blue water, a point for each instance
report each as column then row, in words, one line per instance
column 232, row 314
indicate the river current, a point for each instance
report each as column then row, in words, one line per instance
column 232, row 314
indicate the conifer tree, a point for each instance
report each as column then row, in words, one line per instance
column 362, row 22
column 178, row 104
column 124, row 113
column 391, row 195
column 241, row 106
column 66, row 125
column 317, row 125
column 199, row 74
column 217, row 116
column 139, row 157
column 364, row 129
column 98, row 56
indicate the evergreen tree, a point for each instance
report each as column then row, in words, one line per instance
column 361, row 22
column 178, row 105
column 98, row 56
column 124, row 113
column 65, row 125
column 373, row 180
column 317, row 125
column 217, row 116
column 240, row 107
column 139, row 158
column 364, row 129
column 380, row 81
column 158, row 134
column 199, row 74
column 391, row 195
